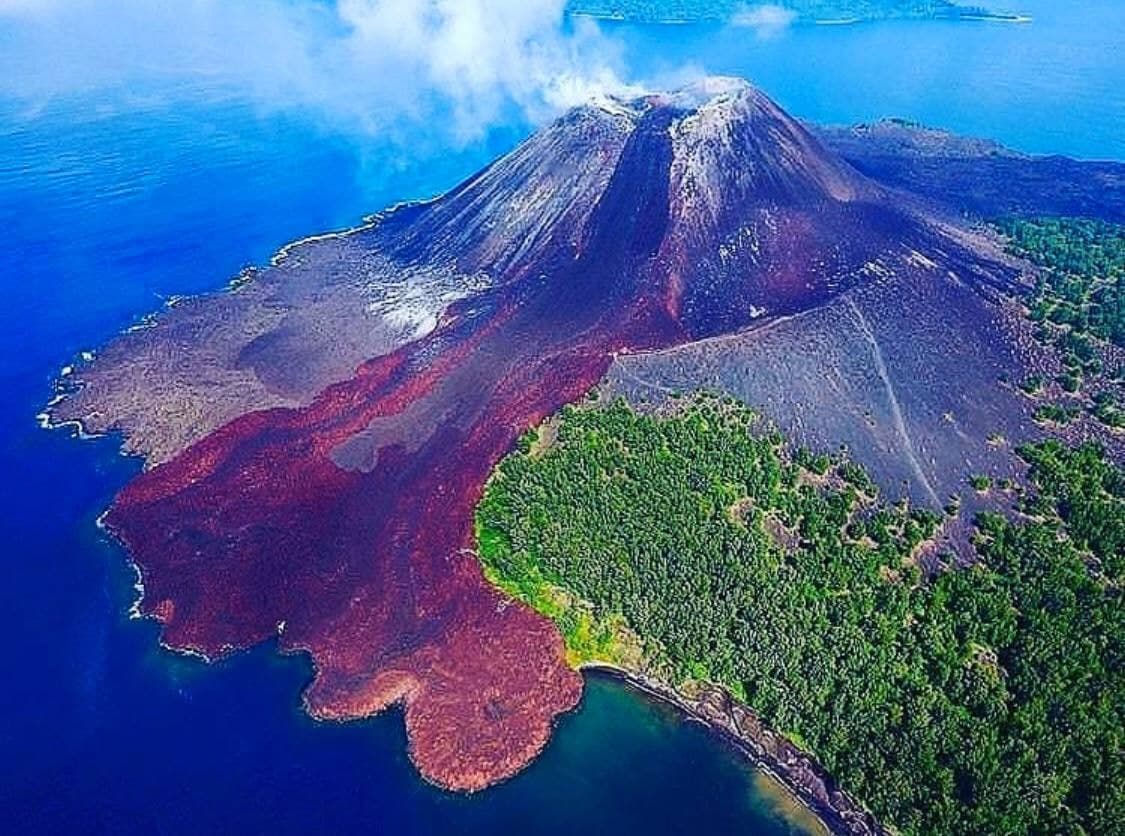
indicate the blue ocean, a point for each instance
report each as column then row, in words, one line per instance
column 110, row 204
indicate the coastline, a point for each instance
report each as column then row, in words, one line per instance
column 998, row 18
column 796, row 774
column 69, row 379
column 619, row 17
column 795, row 771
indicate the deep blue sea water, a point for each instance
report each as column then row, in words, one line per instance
column 108, row 205
column 1056, row 85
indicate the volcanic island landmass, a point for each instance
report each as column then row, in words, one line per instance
column 317, row 436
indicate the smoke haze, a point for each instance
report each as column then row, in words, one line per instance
column 370, row 65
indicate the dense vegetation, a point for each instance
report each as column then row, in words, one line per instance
column 982, row 700
column 1082, row 283
column 699, row 10
column 1079, row 303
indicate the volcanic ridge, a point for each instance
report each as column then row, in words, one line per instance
column 318, row 436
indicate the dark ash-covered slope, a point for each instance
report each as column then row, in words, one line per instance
column 336, row 417
column 977, row 176
column 906, row 372
column 916, row 371
column 280, row 335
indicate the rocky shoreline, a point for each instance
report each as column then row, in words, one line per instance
column 796, row 770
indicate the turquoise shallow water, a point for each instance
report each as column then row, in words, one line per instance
column 109, row 205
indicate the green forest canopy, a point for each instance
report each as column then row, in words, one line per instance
column 983, row 700
column 1083, row 265
column 1079, row 305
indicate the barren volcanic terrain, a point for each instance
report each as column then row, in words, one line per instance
column 318, row 436
column 979, row 176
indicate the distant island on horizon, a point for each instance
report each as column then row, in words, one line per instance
column 781, row 12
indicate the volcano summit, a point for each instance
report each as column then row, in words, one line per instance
column 318, row 436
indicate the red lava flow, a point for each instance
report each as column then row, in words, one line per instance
column 272, row 526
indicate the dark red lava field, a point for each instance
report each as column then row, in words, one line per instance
column 344, row 525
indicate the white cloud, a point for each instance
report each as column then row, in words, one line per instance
column 767, row 21
column 369, row 63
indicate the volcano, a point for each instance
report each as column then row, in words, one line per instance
column 318, row 436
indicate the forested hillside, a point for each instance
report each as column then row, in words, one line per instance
column 1079, row 305
column 1083, row 263
column 979, row 700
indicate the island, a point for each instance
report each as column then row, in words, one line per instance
column 823, row 12
column 460, row 451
